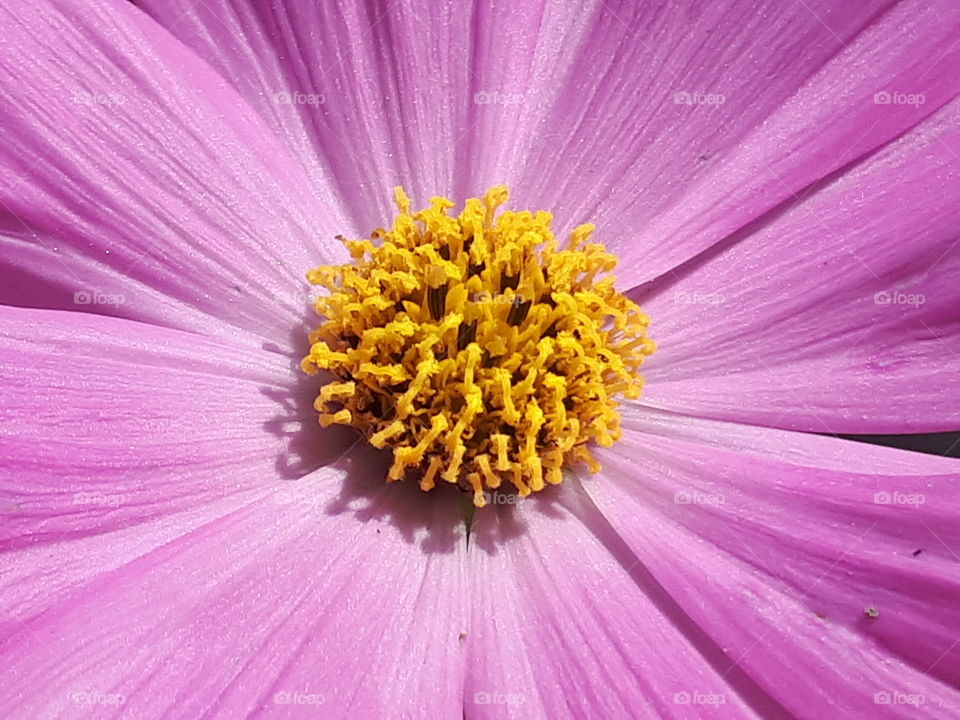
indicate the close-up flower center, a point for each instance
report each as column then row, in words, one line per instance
column 475, row 347
column 272, row 426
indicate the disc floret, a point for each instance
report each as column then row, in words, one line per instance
column 475, row 347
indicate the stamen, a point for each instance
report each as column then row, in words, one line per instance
column 475, row 348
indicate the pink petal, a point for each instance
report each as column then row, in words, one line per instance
column 132, row 169
column 491, row 96
column 804, row 110
column 107, row 423
column 372, row 95
column 321, row 606
column 780, row 562
column 788, row 446
column 838, row 315
column 566, row 624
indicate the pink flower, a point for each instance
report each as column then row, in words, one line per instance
column 781, row 183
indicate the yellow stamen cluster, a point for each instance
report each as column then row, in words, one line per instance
column 475, row 348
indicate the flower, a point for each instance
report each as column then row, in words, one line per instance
column 182, row 539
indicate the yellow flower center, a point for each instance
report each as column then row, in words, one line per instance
column 475, row 348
